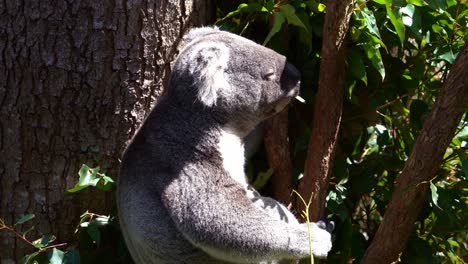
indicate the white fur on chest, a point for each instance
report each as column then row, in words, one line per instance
column 231, row 148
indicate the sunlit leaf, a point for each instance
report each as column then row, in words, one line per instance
column 105, row 183
column 416, row 2
column 56, row 256
column 321, row 7
column 88, row 177
column 434, row 195
column 446, row 54
column 382, row 2
column 370, row 22
column 373, row 54
column 396, row 20
column 407, row 15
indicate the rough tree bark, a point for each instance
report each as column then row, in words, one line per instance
column 76, row 79
column 328, row 107
column 426, row 157
column 277, row 147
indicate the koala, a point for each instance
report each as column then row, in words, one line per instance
column 182, row 194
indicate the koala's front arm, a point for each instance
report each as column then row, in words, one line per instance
column 229, row 226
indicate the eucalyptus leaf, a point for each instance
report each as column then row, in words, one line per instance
column 262, row 178
column 94, row 232
column 278, row 20
column 356, row 66
column 434, row 195
column 396, row 20
column 290, row 13
column 24, row 219
column 56, row 256
column 373, row 54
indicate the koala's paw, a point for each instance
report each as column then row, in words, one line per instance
column 321, row 238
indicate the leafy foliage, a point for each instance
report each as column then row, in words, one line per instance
column 97, row 236
column 399, row 53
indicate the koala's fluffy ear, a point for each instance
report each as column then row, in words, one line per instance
column 207, row 64
column 197, row 33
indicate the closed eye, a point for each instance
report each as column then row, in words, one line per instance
column 269, row 76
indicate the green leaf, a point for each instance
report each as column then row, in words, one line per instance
column 278, row 20
column 262, row 178
column 382, row 2
column 397, row 22
column 434, row 195
column 315, row 6
column 253, row 7
column 24, row 219
column 416, row 2
column 93, row 231
column 25, row 233
column 270, row 5
column 356, row 66
column 105, row 183
column 290, row 13
column 321, row 7
column 407, row 15
column 43, row 241
column 88, row 177
column 373, row 54
column 446, row 54
column 28, row 258
column 247, row 8
column 56, row 256
column 370, row 22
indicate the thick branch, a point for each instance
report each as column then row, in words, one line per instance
column 425, row 159
column 277, row 148
column 328, row 106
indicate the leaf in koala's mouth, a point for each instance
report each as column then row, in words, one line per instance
column 300, row 99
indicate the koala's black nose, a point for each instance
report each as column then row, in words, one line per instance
column 290, row 79
column 291, row 72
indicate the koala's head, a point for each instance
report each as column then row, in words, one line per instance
column 232, row 75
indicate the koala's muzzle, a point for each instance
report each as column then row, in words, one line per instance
column 290, row 80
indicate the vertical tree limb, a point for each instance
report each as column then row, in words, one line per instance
column 425, row 159
column 328, row 107
column 277, row 148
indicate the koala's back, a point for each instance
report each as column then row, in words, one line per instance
column 148, row 166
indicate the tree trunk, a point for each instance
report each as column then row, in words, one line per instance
column 422, row 165
column 277, row 148
column 328, row 108
column 76, row 79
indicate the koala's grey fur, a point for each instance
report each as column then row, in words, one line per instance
column 182, row 193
